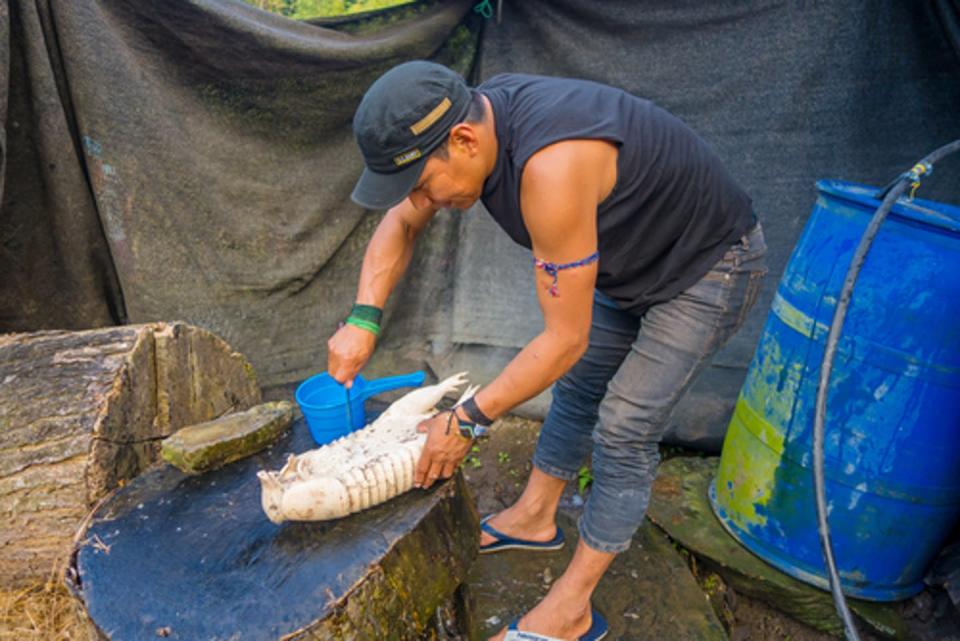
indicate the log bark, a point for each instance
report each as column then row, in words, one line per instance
column 83, row 412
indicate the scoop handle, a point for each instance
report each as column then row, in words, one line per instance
column 372, row 388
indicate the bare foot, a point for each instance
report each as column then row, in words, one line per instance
column 521, row 523
column 560, row 615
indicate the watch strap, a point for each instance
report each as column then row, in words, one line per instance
column 474, row 413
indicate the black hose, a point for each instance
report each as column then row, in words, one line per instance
column 889, row 194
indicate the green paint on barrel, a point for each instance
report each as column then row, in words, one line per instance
column 892, row 431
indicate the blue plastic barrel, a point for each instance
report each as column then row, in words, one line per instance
column 892, row 431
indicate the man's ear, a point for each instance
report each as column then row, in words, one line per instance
column 464, row 136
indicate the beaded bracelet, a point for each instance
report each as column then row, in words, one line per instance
column 553, row 269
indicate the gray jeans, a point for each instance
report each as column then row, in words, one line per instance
column 618, row 396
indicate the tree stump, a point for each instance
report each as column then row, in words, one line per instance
column 83, row 412
column 186, row 557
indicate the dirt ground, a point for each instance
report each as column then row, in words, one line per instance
column 498, row 468
column 496, row 471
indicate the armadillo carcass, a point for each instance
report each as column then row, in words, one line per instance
column 363, row 469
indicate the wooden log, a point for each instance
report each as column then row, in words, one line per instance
column 83, row 412
column 194, row 557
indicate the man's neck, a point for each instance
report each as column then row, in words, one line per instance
column 491, row 144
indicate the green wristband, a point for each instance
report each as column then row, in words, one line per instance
column 369, row 313
column 364, row 324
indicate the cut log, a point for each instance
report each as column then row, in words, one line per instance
column 194, row 557
column 83, row 412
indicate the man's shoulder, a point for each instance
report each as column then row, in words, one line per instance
column 545, row 97
column 575, row 161
column 521, row 80
column 504, row 80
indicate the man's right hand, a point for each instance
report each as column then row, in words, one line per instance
column 348, row 350
column 384, row 262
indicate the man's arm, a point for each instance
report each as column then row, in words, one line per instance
column 561, row 187
column 386, row 259
column 560, row 190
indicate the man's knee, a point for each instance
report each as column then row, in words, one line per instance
column 578, row 390
column 619, row 441
column 624, row 421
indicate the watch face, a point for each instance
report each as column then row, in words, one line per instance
column 472, row 430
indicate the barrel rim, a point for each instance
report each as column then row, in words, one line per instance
column 927, row 212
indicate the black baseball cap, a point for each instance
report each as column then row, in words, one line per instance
column 406, row 114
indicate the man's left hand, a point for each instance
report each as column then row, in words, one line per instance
column 442, row 453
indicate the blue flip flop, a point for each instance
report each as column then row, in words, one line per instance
column 507, row 542
column 598, row 630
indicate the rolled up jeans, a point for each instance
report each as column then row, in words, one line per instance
column 619, row 395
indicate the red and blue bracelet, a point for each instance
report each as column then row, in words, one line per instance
column 553, row 269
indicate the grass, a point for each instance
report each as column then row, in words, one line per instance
column 41, row 613
column 584, row 479
column 307, row 9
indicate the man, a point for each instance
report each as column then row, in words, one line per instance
column 647, row 258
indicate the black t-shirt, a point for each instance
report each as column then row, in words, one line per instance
column 674, row 210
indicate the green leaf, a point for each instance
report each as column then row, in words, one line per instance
column 584, row 479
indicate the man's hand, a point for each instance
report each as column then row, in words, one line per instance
column 348, row 351
column 443, row 451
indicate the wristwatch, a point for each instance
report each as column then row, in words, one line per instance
column 472, row 431
column 469, row 429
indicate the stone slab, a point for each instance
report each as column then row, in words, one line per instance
column 680, row 506
column 193, row 557
column 647, row 594
column 207, row 446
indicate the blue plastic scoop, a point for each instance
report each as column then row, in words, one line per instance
column 324, row 402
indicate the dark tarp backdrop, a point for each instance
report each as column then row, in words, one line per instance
column 787, row 93
column 193, row 159
column 208, row 145
column 948, row 13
